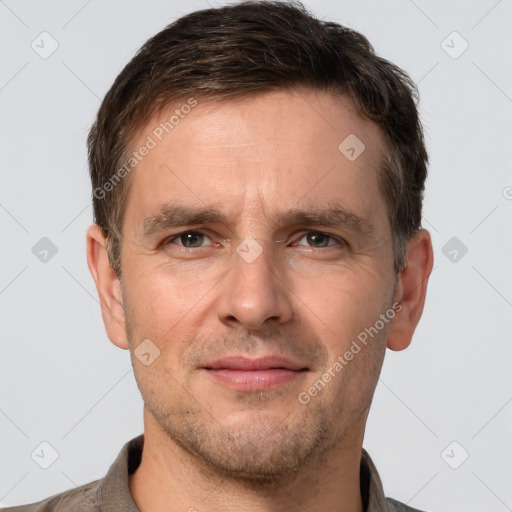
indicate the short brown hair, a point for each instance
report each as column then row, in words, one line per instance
column 248, row 48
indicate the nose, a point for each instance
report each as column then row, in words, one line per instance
column 252, row 293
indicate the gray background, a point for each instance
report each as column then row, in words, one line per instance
column 63, row 382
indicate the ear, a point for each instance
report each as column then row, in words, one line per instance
column 108, row 287
column 411, row 290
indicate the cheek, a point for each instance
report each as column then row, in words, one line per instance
column 152, row 312
column 350, row 286
column 344, row 301
column 161, row 294
column 169, row 311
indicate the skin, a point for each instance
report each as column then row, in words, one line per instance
column 306, row 296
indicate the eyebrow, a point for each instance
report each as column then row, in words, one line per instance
column 175, row 216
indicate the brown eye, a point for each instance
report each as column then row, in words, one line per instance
column 188, row 239
column 191, row 239
column 319, row 240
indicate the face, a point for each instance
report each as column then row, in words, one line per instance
column 255, row 252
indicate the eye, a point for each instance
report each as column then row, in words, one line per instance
column 318, row 240
column 188, row 239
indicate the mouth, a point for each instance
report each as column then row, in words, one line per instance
column 256, row 375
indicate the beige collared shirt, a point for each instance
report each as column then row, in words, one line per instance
column 112, row 493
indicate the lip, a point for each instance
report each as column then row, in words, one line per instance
column 261, row 363
column 261, row 374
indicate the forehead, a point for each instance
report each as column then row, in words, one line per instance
column 259, row 152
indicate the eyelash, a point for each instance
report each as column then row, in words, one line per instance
column 340, row 241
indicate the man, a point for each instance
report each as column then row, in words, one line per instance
column 257, row 184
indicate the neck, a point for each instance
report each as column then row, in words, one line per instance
column 171, row 479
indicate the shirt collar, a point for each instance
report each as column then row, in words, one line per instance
column 372, row 492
